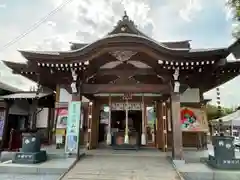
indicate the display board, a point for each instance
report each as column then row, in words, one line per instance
column 73, row 127
column 62, row 117
column 193, row 119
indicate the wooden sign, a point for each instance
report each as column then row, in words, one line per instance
column 134, row 106
column 127, row 96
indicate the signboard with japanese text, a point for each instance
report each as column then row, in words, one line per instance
column 73, row 125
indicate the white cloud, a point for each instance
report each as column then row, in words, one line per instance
column 189, row 10
column 88, row 20
column 51, row 23
column 3, row 5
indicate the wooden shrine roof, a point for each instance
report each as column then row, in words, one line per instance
column 126, row 35
column 172, row 45
column 7, row 87
column 128, row 53
column 124, row 41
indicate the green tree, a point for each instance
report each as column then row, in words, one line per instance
column 235, row 7
column 212, row 111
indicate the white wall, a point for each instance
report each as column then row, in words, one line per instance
column 64, row 96
column 191, row 95
column 42, row 118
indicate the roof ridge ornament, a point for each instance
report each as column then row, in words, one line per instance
column 125, row 25
column 127, row 20
column 125, row 16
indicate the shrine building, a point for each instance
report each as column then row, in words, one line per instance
column 141, row 92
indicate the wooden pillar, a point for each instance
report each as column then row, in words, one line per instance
column 126, row 137
column 177, row 151
column 161, row 126
column 159, row 132
column 94, row 125
column 164, row 126
column 89, row 125
column 109, row 133
column 49, row 127
column 144, row 124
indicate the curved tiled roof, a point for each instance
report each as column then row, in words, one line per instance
column 117, row 40
column 127, row 32
column 8, row 87
column 174, row 45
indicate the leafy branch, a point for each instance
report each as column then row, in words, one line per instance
column 235, row 7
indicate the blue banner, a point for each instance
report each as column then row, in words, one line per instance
column 73, row 125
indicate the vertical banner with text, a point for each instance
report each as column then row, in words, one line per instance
column 74, row 118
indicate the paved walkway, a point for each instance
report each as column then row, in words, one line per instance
column 28, row 177
column 122, row 167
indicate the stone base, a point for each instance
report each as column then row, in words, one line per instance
column 143, row 139
column 30, row 158
column 7, row 155
column 125, row 147
column 232, row 164
column 109, row 138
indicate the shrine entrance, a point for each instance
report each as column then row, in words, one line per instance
column 126, row 123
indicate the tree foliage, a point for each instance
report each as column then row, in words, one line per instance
column 235, row 7
column 212, row 112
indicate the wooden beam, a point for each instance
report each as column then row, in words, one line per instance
column 116, row 88
column 118, row 72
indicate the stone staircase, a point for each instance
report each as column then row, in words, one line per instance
column 121, row 167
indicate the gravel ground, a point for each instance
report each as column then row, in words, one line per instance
column 28, row 177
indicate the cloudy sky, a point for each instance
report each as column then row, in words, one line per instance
column 206, row 23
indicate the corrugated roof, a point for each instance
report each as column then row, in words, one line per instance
column 230, row 119
column 24, row 95
column 8, row 87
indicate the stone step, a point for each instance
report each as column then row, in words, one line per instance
column 8, row 155
column 30, row 170
column 122, row 168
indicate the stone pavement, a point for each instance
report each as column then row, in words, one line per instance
column 200, row 171
column 116, row 166
column 50, row 170
column 28, row 177
column 193, row 169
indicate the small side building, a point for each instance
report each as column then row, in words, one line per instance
column 5, row 89
column 27, row 110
